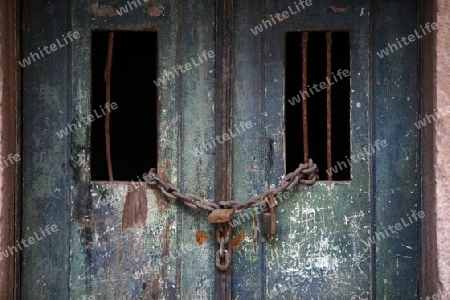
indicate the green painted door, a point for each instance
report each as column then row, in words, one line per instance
column 225, row 67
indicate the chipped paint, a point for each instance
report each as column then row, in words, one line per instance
column 201, row 237
column 238, row 239
column 155, row 11
column 339, row 10
column 102, row 10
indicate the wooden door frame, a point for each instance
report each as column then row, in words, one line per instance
column 9, row 182
column 9, row 144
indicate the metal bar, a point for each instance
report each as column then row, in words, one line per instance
column 223, row 121
column 304, row 103
column 329, row 43
column 108, row 71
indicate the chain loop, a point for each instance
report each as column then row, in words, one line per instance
column 223, row 234
column 226, row 264
column 306, row 174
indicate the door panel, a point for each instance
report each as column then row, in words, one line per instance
column 314, row 247
column 320, row 250
column 111, row 262
column 397, row 171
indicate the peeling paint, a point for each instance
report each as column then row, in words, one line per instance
column 339, row 10
column 102, row 10
column 155, row 11
column 238, row 239
column 201, row 237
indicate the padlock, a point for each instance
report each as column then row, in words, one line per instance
column 270, row 218
column 221, row 215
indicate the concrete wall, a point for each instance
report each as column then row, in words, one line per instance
column 436, row 230
column 442, row 144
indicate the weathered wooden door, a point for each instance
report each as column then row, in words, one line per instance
column 224, row 67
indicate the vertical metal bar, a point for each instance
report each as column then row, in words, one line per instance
column 329, row 43
column 304, row 103
column 108, row 71
column 223, row 103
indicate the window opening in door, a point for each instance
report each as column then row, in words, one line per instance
column 133, row 124
column 317, row 102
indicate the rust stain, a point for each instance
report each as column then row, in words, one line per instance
column 165, row 248
column 102, row 10
column 339, row 10
column 155, row 287
column 237, row 240
column 155, row 11
column 161, row 201
column 120, row 254
column 201, row 237
column 135, row 208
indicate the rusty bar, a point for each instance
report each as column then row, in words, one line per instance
column 108, row 71
column 329, row 43
column 223, row 122
column 304, row 90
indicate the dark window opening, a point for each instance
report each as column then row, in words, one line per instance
column 327, row 56
column 133, row 124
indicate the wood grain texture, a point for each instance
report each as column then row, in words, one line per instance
column 45, row 159
column 320, row 245
column 396, row 94
column 9, row 115
column 135, row 208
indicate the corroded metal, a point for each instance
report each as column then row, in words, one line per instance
column 108, row 71
column 306, row 174
column 329, row 43
column 304, row 90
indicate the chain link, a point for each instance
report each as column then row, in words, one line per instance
column 223, row 234
column 306, row 174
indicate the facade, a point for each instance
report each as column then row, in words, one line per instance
column 24, row 177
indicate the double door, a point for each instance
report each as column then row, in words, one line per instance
column 212, row 94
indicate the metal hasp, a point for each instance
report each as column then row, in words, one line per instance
column 270, row 219
column 221, row 215
column 221, row 212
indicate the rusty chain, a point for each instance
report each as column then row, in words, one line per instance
column 223, row 253
column 304, row 174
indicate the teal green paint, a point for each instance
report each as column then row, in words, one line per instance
column 321, row 229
